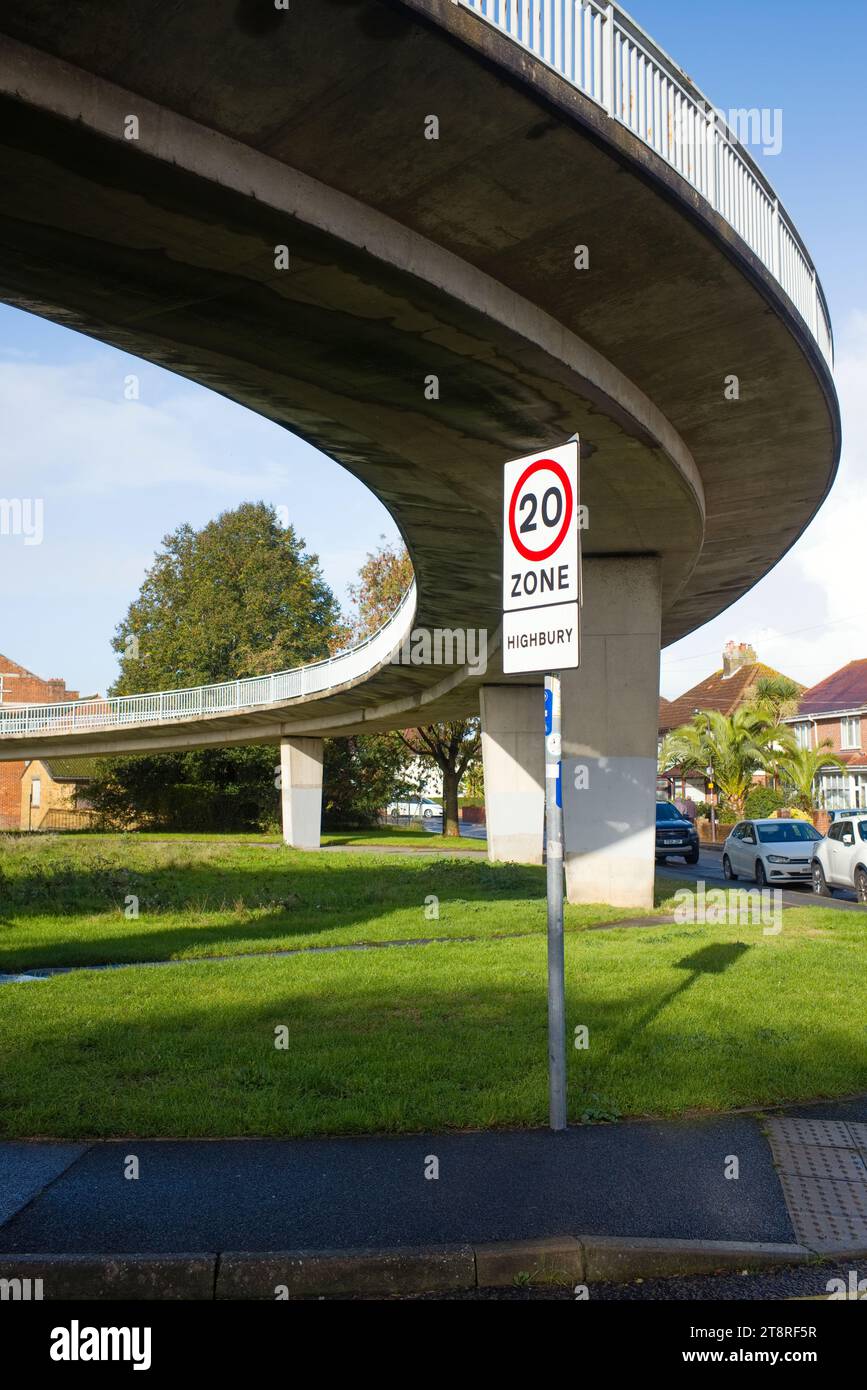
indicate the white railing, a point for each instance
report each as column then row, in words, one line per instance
column 601, row 50
column 254, row 692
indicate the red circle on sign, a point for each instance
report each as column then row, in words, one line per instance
column 550, row 466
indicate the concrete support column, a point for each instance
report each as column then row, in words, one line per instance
column 513, row 754
column 301, row 791
column 610, row 721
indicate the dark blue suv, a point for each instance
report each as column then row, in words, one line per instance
column 675, row 835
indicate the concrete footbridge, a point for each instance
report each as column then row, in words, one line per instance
column 429, row 236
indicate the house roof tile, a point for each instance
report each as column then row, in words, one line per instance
column 844, row 689
column 719, row 692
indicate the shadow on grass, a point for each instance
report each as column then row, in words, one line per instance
column 292, row 897
column 446, row 1040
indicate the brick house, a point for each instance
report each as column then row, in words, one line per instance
column 53, row 794
column 18, row 686
column 725, row 690
column 836, row 710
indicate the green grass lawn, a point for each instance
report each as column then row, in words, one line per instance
column 385, row 836
column 450, row 1034
column 67, row 903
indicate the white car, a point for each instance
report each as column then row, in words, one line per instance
column 840, row 861
column 414, row 808
column 771, row 851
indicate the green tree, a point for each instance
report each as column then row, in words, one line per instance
column 454, row 747
column 673, row 752
column 361, row 774
column 240, row 597
column 383, row 580
column 735, row 746
column 803, row 766
column 776, row 696
column 761, row 802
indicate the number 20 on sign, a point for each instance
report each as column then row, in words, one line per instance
column 541, row 562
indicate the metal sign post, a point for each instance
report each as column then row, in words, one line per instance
column 554, row 861
column 541, row 599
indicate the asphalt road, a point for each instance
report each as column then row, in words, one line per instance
column 709, row 869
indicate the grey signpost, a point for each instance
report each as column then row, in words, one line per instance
column 541, row 633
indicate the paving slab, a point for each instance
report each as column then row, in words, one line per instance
column 27, row 1168
column 823, row 1174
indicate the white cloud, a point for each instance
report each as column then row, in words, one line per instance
column 69, row 428
column 116, row 475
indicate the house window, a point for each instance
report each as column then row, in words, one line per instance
column 802, row 735
column 850, row 732
column 36, row 792
column 835, row 788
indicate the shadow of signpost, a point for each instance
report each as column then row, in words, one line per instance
column 714, row 959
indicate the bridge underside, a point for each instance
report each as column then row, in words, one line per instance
column 410, row 259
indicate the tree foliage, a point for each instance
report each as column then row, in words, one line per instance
column 361, row 775
column 734, row 745
column 383, row 580
column 240, row 597
column 802, row 768
column 453, row 748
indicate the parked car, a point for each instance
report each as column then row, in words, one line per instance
column 676, row 837
column 771, row 851
column 840, row 860
column 414, row 808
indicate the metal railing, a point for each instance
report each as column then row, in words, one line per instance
column 601, row 50
column 121, row 711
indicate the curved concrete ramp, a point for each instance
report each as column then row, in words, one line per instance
column 437, row 314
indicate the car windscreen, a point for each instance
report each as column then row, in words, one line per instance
column 787, row 831
column 665, row 811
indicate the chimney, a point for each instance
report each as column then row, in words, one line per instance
column 735, row 655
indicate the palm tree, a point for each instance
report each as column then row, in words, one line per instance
column 776, row 696
column 803, row 765
column 735, row 746
column 671, row 753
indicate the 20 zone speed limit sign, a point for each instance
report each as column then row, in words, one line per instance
column 541, row 563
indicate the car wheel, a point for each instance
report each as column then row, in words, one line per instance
column 428, row 813
column 861, row 885
column 395, row 815
column 761, row 876
column 820, row 883
column 692, row 857
column 728, row 871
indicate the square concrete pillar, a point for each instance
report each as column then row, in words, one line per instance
column 301, row 791
column 513, row 754
column 610, row 720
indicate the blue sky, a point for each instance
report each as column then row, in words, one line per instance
column 116, row 475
